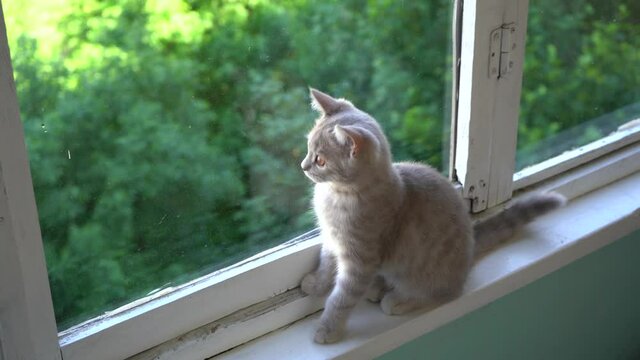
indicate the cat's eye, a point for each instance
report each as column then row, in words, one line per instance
column 320, row 160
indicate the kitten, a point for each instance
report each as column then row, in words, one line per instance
column 397, row 232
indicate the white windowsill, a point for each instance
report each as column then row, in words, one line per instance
column 586, row 224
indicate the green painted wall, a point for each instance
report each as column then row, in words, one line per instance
column 589, row 309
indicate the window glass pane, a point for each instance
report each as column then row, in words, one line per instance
column 581, row 75
column 165, row 137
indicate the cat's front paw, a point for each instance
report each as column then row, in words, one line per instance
column 311, row 285
column 325, row 335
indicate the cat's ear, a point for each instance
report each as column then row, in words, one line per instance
column 357, row 137
column 324, row 103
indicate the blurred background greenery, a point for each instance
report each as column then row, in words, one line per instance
column 165, row 136
column 581, row 74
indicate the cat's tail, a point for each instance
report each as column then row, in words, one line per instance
column 503, row 225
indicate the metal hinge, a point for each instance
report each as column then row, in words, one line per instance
column 503, row 43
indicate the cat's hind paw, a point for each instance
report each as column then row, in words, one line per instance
column 392, row 304
column 374, row 294
column 308, row 284
column 311, row 285
column 377, row 289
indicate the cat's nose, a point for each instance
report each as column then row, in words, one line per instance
column 305, row 165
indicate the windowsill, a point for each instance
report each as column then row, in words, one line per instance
column 586, row 224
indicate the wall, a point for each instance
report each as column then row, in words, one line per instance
column 589, row 309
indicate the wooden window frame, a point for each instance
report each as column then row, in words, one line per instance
column 27, row 322
column 488, row 102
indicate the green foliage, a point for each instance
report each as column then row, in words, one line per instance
column 165, row 136
column 582, row 62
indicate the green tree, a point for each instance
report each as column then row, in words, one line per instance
column 165, row 137
column 582, row 62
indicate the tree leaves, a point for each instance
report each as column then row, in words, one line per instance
column 165, row 137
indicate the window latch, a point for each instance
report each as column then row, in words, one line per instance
column 503, row 43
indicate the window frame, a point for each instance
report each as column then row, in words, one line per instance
column 489, row 104
column 626, row 135
column 27, row 321
column 260, row 294
column 222, row 300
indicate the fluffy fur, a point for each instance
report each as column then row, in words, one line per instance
column 397, row 232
